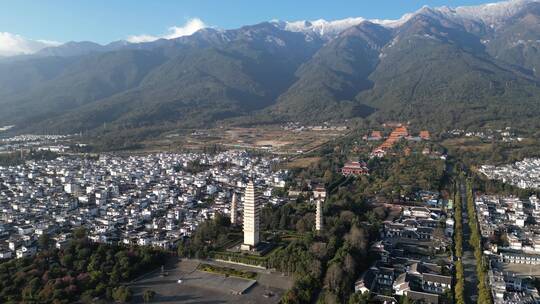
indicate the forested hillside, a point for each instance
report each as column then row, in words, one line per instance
column 438, row 67
column 83, row 272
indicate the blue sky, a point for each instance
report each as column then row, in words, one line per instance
column 109, row 20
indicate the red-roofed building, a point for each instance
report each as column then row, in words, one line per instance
column 379, row 152
column 400, row 132
column 355, row 168
column 396, row 135
column 424, row 135
column 319, row 192
column 376, row 135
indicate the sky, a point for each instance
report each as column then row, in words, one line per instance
column 27, row 25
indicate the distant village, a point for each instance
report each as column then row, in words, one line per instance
column 296, row 126
column 524, row 174
column 52, row 143
column 505, row 135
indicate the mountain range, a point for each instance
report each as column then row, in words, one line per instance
column 438, row 67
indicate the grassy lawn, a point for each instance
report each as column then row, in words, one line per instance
column 302, row 163
column 466, row 144
column 289, row 236
column 239, row 258
column 226, row 271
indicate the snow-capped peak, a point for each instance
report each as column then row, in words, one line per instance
column 393, row 23
column 319, row 27
column 328, row 29
column 491, row 14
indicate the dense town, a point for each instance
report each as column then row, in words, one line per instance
column 523, row 174
column 149, row 200
column 510, row 226
column 162, row 200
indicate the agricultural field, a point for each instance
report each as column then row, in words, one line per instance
column 273, row 139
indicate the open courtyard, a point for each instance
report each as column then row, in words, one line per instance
column 203, row 287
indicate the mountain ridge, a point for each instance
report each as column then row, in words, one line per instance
column 479, row 67
column 491, row 14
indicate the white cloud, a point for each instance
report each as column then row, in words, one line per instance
column 13, row 44
column 191, row 26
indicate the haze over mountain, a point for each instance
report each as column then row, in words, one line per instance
column 436, row 66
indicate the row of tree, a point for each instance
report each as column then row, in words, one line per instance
column 459, row 286
column 484, row 294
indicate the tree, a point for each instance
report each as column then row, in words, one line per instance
column 328, row 176
column 122, row 294
column 301, row 226
column 67, row 260
column 330, row 298
column 44, row 241
column 349, row 264
column 30, row 291
column 405, row 300
column 334, row 277
column 446, row 297
column 360, row 298
column 357, row 237
column 80, row 233
column 148, row 295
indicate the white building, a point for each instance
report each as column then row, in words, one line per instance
column 251, row 218
column 233, row 209
column 319, row 216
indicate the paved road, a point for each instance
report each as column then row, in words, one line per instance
column 469, row 262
